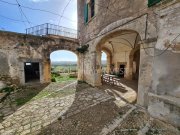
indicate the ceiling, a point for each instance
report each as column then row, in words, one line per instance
column 121, row 43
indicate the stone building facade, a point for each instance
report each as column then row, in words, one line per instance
column 26, row 58
column 143, row 38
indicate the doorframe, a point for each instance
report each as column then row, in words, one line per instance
column 22, row 71
column 122, row 63
column 32, row 63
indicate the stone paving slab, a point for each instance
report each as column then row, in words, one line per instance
column 42, row 111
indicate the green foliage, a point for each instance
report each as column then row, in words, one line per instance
column 152, row 2
column 7, row 89
column 82, row 49
column 53, row 79
column 64, row 79
column 57, row 78
column 64, row 68
column 22, row 100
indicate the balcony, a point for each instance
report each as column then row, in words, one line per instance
column 51, row 29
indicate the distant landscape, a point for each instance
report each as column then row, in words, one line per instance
column 68, row 63
column 63, row 63
column 65, row 69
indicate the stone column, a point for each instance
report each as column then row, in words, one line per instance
column 108, row 64
column 80, row 66
column 96, row 68
column 145, row 72
column 130, row 72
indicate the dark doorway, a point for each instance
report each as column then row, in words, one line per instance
column 31, row 72
column 122, row 71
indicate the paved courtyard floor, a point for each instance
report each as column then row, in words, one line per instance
column 78, row 109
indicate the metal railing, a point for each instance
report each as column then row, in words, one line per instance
column 51, row 29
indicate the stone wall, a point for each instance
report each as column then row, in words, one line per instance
column 16, row 49
column 157, row 27
column 117, row 10
column 164, row 96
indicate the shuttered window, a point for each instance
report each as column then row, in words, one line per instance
column 152, row 2
column 86, row 13
column 92, row 8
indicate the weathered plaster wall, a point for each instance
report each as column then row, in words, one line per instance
column 118, row 10
column 4, row 68
column 164, row 99
column 116, row 28
column 145, row 72
column 105, row 23
column 19, row 48
column 157, row 27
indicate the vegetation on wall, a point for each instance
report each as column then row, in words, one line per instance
column 152, row 2
column 83, row 48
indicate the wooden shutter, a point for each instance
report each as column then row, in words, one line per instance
column 86, row 13
column 152, row 2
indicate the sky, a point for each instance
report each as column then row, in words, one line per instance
column 62, row 55
column 37, row 17
column 11, row 17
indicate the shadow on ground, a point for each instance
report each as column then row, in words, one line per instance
column 126, row 90
column 69, row 108
column 91, row 110
column 18, row 98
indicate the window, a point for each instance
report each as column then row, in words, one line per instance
column 89, row 10
column 92, row 8
column 86, row 13
column 152, row 2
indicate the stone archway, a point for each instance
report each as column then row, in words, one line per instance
column 47, row 64
column 124, row 49
column 121, row 45
column 56, row 44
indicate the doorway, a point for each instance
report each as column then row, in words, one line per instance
column 122, row 70
column 32, row 72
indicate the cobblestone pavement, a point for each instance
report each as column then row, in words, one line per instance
column 125, row 92
column 78, row 109
column 138, row 122
column 49, row 105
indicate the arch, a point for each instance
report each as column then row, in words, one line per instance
column 61, row 43
column 60, row 47
column 55, row 44
column 128, row 25
column 77, row 62
column 70, row 51
column 101, row 40
column 129, row 37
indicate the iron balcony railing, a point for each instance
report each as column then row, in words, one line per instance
column 51, row 29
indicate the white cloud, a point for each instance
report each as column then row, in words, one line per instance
column 39, row 0
column 74, row 18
